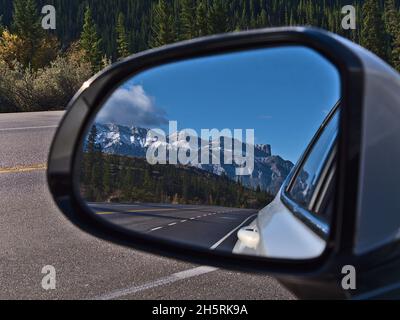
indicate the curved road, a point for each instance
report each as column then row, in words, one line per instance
column 33, row 234
column 208, row 227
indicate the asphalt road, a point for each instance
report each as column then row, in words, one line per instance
column 208, row 227
column 33, row 234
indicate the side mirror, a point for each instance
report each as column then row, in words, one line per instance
column 240, row 150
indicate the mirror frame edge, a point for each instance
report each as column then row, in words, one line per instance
column 86, row 102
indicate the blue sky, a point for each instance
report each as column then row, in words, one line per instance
column 282, row 93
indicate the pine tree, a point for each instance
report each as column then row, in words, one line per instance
column 26, row 25
column 396, row 52
column 217, row 17
column 92, row 147
column 163, row 27
column 89, row 158
column 392, row 17
column 1, row 26
column 262, row 20
column 253, row 16
column 201, row 18
column 188, row 20
column 90, row 41
column 26, row 21
column 122, row 38
column 243, row 18
column 185, row 189
column 373, row 33
column 392, row 23
column 310, row 13
column 107, row 187
column 147, row 180
column 96, row 181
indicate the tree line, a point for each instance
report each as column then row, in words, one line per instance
column 90, row 34
column 114, row 178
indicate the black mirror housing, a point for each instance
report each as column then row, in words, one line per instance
column 346, row 56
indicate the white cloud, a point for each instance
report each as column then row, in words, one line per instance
column 131, row 107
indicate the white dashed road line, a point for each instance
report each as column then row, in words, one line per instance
column 216, row 245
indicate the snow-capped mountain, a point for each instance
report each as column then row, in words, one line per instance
column 121, row 140
column 269, row 170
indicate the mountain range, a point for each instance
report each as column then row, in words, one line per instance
column 269, row 172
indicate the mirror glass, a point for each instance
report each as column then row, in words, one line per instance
column 198, row 151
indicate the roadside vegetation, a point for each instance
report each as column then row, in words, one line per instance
column 41, row 69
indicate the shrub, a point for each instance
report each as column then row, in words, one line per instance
column 48, row 88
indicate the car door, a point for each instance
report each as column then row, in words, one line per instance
column 296, row 223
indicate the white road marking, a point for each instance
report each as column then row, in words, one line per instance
column 27, row 128
column 216, row 245
column 155, row 229
column 160, row 282
column 183, row 221
column 192, row 218
column 172, row 224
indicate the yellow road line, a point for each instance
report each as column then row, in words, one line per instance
column 132, row 211
column 28, row 168
column 147, row 210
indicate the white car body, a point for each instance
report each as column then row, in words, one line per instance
column 281, row 235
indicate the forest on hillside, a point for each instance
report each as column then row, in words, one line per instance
column 91, row 34
column 114, row 178
column 121, row 179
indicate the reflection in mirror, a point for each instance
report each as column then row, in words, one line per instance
column 197, row 152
